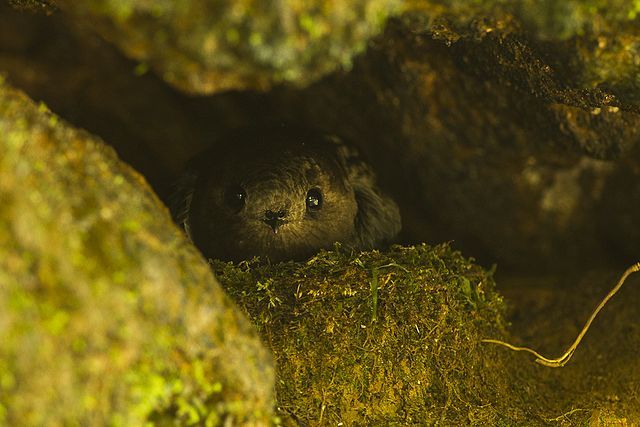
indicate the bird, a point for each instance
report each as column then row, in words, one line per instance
column 281, row 193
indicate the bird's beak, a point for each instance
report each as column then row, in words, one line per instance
column 274, row 223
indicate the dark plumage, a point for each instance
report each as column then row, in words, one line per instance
column 281, row 193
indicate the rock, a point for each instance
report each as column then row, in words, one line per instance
column 107, row 314
column 204, row 47
column 45, row 6
column 89, row 83
column 510, row 128
column 596, row 43
column 488, row 127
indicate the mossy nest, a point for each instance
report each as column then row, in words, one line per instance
column 378, row 337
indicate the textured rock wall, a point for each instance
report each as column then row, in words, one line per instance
column 210, row 46
column 506, row 127
column 108, row 316
column 509, row 127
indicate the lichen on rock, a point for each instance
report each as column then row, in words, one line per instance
column 46, row 6
column 510, row 127
column 108, row 316
column 204, row 46
column 597, row 40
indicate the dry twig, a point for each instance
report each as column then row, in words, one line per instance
column 562, row 360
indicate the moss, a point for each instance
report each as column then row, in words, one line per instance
column 599, row 40
column 203, row 46
column 46, row 6
column 576, row 17
column 546, row 18
column 107, row 314
column 378, row 337
column 394, row 338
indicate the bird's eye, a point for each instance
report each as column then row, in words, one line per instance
column 314, row 199
column 234, row 198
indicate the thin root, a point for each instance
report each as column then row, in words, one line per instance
column 562, row 360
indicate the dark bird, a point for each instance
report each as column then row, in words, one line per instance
column 281, row 193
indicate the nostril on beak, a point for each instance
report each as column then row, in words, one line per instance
column 271, row 215
column 275, row 219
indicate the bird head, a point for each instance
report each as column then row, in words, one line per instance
column 277, row 195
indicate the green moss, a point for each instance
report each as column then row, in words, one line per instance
column 547, row 18
column 46, row 6
column 575, row 17
column 378, row 337
column 107, row 314
column 394, row 338
column 598, row 40
column 203, row 46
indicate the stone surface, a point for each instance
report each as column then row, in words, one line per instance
column 36, row 6
column 108, row 316
column 204, row 47
column 509, row 127
column 488, row 128
column 90, row 83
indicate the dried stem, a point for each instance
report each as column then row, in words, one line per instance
column 562, row 360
